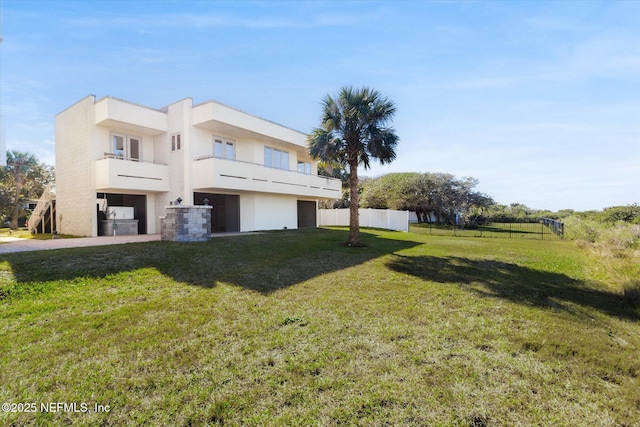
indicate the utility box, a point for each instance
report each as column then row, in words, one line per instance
column 119, row 222
column 120, row 212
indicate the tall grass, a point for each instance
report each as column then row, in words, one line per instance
column 614, row 248
column 618, row 235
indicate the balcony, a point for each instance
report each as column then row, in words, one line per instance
column 117, row 174
column 128, row 117
column 220, row 119
column 211, row 174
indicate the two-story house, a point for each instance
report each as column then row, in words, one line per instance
column 110, row 153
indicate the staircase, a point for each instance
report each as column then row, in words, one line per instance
column 43, row 217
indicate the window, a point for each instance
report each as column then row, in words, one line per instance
column 277, row 161
column 304, row 167
column 275, row 158
column 268, row 158
column 134, row 148
column 224, row 149
column 118, row 145
column 126, row 146
column 218, row 148
column 230, row 150
column 176, row 143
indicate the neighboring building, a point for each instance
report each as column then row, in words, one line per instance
column 110, row 153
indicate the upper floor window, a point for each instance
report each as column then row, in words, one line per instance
column 176, row 143
column 304, row 167
column 125, row 146
column 275, row 158
column 224, row 148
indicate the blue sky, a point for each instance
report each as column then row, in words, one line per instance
column 538, row 100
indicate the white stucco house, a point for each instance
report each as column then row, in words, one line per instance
column 113, row 154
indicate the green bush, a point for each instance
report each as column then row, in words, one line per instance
column 621, row 236
column 582, row 229
column 629, row 213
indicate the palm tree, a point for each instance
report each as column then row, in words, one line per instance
column 352, row 131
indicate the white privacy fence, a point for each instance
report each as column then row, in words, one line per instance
column 377, row 218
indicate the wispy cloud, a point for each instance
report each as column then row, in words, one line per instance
column 217, row 20
column 611, row 53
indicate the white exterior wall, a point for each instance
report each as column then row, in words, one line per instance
column 201, row 143
column 75, row 194
column 155, row 203
column 153, row 220
column 84, row 138
column 248, row 212
column 188, row 142
column 178, row 159
column 251, row 150
column 102, row 142
column 114, row 116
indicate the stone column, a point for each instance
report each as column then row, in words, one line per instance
column 184, row 223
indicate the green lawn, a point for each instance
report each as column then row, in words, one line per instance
column 290, row 328
column 24, row 233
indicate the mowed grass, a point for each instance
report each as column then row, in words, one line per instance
column 24, row 233
column 290, row 328
column 518, row 230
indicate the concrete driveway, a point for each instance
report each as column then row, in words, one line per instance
column 12, row 244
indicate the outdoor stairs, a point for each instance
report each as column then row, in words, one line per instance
column 42, row 218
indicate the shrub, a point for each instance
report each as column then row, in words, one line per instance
column 622, row 236
column 582, row 229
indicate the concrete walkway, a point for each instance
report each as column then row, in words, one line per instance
column 23, row 245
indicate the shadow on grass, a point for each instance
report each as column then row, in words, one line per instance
column 261, row 262
column 514, row 283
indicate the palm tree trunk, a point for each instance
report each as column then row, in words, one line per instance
column 354, row 204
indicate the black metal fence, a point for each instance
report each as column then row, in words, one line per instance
column 545, row 229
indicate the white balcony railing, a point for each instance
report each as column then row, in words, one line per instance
column 210, row 173
column 115, row 173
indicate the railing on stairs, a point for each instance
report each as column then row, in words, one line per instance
column 43, row 211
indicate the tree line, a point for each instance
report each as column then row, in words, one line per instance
column 443, row 198
column 435, row 197
column 22, row 180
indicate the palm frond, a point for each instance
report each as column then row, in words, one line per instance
column 354, row 124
